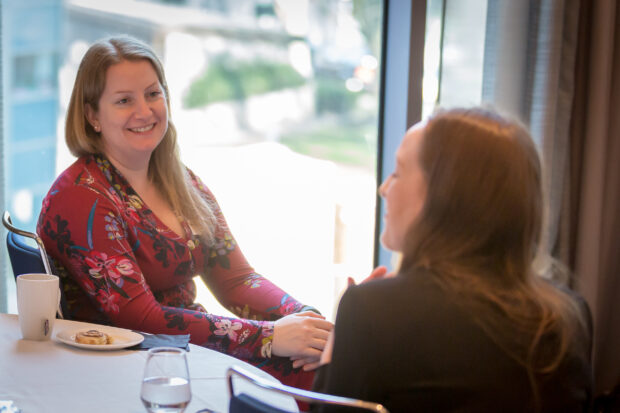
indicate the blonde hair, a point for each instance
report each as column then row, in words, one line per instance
column 479, row 233
column 166, row 170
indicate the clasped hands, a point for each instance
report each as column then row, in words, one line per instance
column 302, row 337
column 306, row 337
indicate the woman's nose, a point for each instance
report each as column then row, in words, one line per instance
column 142, row 108
column 383, row 187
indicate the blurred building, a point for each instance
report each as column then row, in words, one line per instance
column 32, row 49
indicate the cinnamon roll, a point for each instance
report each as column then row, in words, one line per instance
column 92, row 337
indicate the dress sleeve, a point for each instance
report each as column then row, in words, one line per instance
column 351, row 372
column 234, row 282
column 86, row 231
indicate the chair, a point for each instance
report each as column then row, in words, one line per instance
column 24, row 258
column 243, row 403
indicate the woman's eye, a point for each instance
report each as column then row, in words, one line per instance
column 155, row 93
column 122, row 101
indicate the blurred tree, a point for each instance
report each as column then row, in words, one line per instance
column 369, row 15
column 231, row 80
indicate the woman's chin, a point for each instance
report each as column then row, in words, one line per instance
column 389, row 243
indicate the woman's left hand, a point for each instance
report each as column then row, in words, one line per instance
column 301, row 335
column 309, row 364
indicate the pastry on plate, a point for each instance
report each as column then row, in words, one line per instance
column 92, row 337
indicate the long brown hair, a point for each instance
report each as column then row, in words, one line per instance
column 166, row 170
column 479, row 231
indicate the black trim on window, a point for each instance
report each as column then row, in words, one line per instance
column 400, row 104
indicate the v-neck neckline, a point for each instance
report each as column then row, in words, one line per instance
column 188, row 235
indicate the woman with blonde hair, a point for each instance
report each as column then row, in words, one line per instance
column 467, row 324
column 129, row 226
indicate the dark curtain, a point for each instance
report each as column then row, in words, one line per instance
column 556, row 65
column 529, row 60
column 590, row 224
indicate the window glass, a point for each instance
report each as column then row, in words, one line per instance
column 432, row 55
column 276, row 106
column 34, row 72
column 453, row 53
column 462, row 52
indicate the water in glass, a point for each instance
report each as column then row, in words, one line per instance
column 166, row 386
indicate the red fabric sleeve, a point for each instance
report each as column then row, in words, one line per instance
column 96, row 243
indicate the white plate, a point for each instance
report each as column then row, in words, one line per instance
column 121, row 338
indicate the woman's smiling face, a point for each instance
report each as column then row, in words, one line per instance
column 133, row 113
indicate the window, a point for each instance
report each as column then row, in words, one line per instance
column 34, row 72
column 453, row 53
column 434, row 51
column 276, row 104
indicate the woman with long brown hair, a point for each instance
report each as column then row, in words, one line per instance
column 467, row 324
column 129, row 226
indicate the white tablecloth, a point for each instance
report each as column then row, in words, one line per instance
column 53, row 377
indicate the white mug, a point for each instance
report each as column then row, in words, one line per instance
column 38, row 296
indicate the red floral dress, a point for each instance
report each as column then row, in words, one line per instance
column 120, row 265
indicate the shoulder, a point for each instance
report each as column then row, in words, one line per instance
column 415, row 284
column 407, row 295
column 204, row 191
column 576, row 298
column 85, row 171
column 68, row 176
column 198, row 183
column 194, row 179
column 581, row 310
column 77, row 186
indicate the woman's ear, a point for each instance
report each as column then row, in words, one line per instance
column 91, row 116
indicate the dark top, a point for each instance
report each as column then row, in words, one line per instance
column 404, row 343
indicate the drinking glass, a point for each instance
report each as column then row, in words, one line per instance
column 165, row 386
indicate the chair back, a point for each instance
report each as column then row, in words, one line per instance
column 243, row 403
column 24, row 258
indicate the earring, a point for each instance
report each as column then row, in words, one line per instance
column 96, row 128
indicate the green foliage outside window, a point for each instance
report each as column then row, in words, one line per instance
column 347, row 142
column 333, row 96
column 226, row 79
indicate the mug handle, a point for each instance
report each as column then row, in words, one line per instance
column 58, row 308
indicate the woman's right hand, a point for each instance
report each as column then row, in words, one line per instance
column 300, row 335
column 379, row 272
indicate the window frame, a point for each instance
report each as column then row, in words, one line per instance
column 400, row 98
column 402, row 63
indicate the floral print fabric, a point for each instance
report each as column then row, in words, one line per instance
column 120, row 265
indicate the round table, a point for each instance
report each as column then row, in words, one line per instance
column 49, row 376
